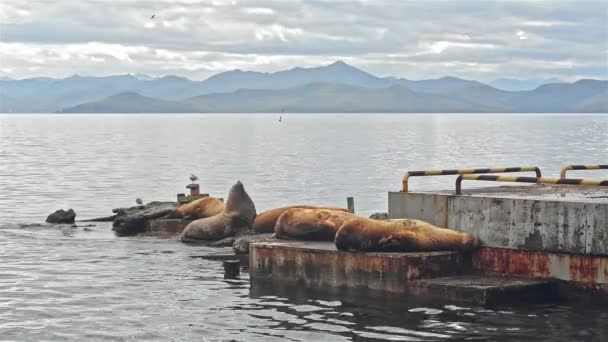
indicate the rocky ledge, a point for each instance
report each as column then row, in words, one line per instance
column 133, row 220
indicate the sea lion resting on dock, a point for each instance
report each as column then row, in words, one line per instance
column 238, row 215
column 200, row 208
column 401, row 235
column 311, row 224
column 265, row 222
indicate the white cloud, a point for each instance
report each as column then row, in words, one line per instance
column 521, row 34
column 259, row 10
column 196, row 38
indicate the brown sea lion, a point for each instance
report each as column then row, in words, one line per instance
column 265, row 222
column 238, row 215
column 400, row 235
column 200, row 208
column 310, row 224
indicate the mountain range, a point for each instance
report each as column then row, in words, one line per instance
column 337, row 87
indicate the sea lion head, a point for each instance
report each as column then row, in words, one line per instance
column 239, row 204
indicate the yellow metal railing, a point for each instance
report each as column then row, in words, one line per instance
column 567, row 168
column 409, row 174
column 537, row 180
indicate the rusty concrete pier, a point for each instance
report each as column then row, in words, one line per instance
column 444, row 275
column 538, row 241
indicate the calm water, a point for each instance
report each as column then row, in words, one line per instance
column 76, row 284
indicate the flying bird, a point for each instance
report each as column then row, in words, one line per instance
column 153, row 16
column 139, row 201
column 193, row 178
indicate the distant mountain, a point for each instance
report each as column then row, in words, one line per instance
column 338, row 72
column 330, row 97
column 511, row 84
column 238, row 87
column 130, row 102
column 584, row 96
column 595, row 104
column 439, row 85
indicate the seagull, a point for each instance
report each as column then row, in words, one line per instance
column 139, row 201
column 193, row 178
column 153, row 16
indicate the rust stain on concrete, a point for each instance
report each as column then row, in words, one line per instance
column 587, row 269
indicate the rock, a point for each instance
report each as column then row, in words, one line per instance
column 101, row 219
column 379, row 216
column 62, row 216
column 226, row 242
column 33, row 225
column 241, row 245
column 133, row 220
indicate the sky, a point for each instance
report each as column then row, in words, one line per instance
column 482, row 40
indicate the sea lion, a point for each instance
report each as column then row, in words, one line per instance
column 401, row 235
column 310, row 224
column 265, row 222
column 200, row 208
column 238, row 215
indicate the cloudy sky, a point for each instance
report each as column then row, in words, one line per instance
column 481, row 39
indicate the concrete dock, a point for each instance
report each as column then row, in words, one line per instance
column 538, row 242
column 445, row 275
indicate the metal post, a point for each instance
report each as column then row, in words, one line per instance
column 232, row 268
column 350, row 204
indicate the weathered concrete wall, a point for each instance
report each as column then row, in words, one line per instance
column 586, row 270
column 530, row 224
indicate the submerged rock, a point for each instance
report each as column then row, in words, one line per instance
column 100, row 219
column 225, row 242
column 241, row 245
column 62, row 216
column 379, row 216
column 133, row 220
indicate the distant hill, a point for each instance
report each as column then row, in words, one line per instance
column 511, row 84
column 330, row 97
column 129, row 103
column 334, row 87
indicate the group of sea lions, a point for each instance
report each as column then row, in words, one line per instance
column 349, row 232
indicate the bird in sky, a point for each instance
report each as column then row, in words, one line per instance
column 193, row 178
column 139, row 201
column 153, row 16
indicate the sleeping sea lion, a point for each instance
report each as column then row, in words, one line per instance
column 237, row 216
column 200, row 208
column 265, row 222
column 400, row 235
column 310, row 224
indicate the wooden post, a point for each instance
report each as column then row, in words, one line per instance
column 350, row 203
column 232, row 268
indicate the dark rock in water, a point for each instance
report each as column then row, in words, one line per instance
column 100, row 219
column 379, row 216
column 30, row 225
column 241, row 245
column 225, row 242
column 133, row 220
column 62, row 216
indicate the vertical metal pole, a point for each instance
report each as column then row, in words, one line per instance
column 350, row 203
column 231, row 268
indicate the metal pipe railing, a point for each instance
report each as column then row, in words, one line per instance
column 566, row 168
column 465, row 172
column 537, row 180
